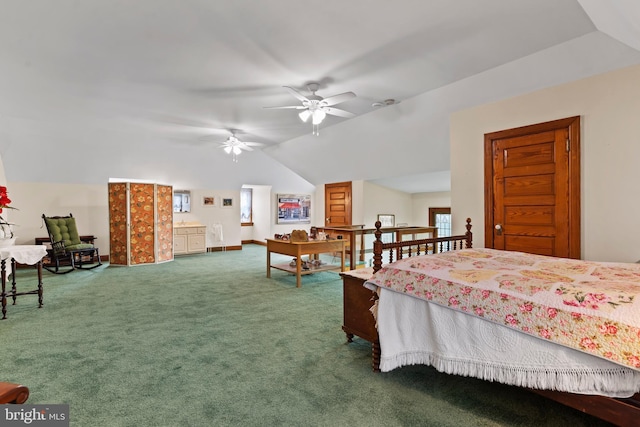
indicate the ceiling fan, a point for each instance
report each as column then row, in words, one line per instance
column 235, row 147
column 316, row 107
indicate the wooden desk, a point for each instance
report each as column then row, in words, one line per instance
column 298, row 249
column 23, row 254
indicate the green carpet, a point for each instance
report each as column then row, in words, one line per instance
column 208, row 340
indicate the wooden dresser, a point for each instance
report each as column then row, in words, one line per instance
column 357, row 302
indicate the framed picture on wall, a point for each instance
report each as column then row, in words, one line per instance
column 208, row 201
column 227, row 202
column 294, row 208
column 387, row 220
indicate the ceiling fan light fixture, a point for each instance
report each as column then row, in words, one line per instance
column 227, row 149
column 304, row 115
column 316, row 107
column 318, row 117
column 237, row 150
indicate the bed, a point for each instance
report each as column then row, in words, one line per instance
column 579, row 321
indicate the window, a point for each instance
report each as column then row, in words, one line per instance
column 441, row 218
column 181, row 201
column 246, row 206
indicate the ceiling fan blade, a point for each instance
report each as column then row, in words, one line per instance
column 209, row 137
column 297, row 94
column 253, row 144
column 338, row 112
column 296, row 107
column 336, row 99
column 244, row 146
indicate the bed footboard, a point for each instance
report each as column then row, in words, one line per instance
column 409, row 248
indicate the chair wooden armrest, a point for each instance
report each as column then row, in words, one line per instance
column 13, row 393
column 58, row 247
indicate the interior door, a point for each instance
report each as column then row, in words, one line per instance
column 337, row 204
column 532, row 189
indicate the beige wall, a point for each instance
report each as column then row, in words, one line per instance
column 87, row 203
column 609, row 106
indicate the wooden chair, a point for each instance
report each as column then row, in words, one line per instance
column 13, row 393
column 66, row 247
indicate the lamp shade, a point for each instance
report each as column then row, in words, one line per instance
column 304, row 115
column 318, row 116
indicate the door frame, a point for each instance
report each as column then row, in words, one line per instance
column 572, row 124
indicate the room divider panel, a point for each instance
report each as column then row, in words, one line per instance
column 140, row 223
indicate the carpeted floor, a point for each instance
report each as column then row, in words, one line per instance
column 208, row 340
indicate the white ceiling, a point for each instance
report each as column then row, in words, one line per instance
column 104, row 80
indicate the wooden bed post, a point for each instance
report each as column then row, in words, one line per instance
column 377, row 248
column 468, row 234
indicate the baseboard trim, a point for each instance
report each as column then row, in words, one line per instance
column 224, row 248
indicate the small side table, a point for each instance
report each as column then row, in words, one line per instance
column 23, row 254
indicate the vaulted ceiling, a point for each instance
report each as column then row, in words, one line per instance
column 145, row 87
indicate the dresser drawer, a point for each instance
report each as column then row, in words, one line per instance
column 185, row 230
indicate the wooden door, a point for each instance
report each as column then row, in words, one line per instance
column 337, row 204
column 532, row 189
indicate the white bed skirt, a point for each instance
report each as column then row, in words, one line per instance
column 413, row 331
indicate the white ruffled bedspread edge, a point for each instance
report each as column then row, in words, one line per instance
column 413, row 331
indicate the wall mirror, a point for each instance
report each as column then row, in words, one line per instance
column 181, row 201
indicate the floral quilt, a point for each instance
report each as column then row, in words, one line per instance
column 589, row 306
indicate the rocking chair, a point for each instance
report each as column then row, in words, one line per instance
column 66, row 247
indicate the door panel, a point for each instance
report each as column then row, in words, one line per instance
column 337, row 208
column 532, row 197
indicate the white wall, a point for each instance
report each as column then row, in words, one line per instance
column 609, row 106
column 227, row 217
column 369, row 200
column 89, row 204
column 383, row 200
column 421, row 202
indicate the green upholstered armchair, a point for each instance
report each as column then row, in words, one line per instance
column 66, row 247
